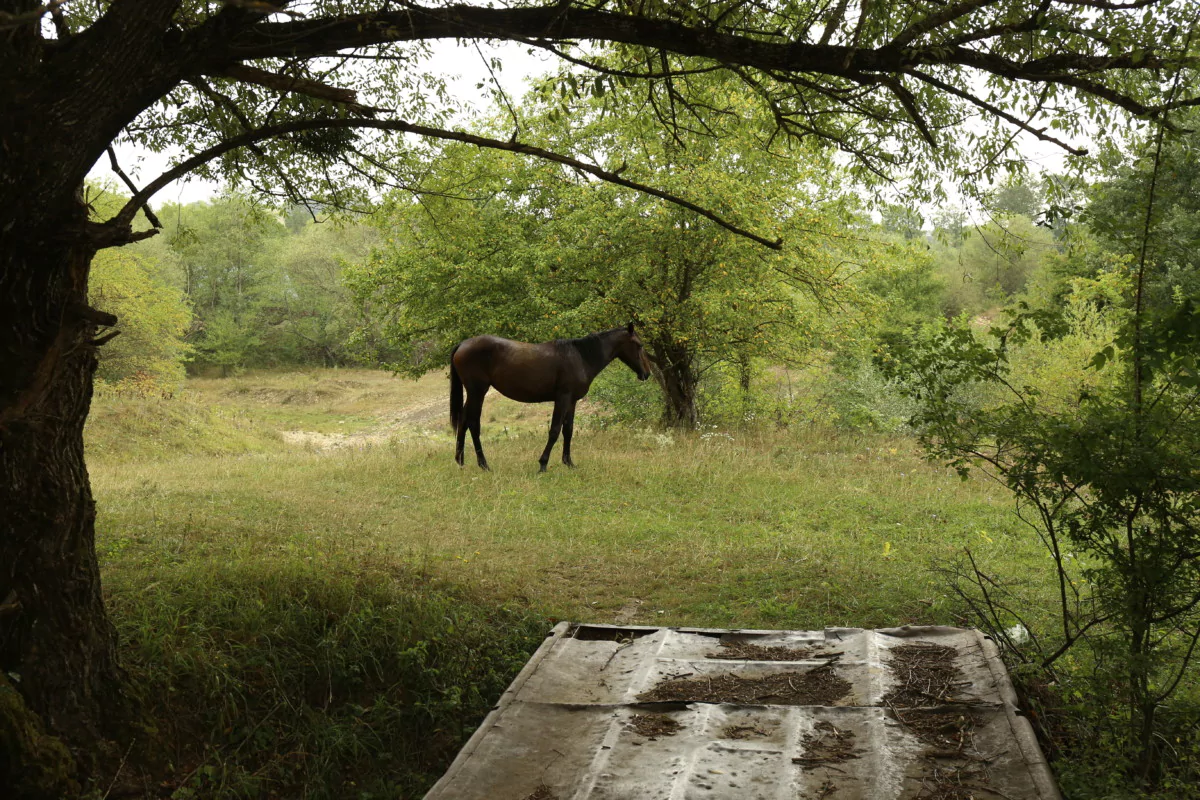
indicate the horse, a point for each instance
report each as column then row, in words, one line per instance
column 560, row 371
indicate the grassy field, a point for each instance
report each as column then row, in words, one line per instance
column 280, row 529
column 730, row 529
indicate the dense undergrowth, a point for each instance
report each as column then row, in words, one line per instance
column 328, row 621
column 301, row 677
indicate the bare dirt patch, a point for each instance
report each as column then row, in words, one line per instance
column 335, row 441
column 628, row 612
column 817, row 687
column 747, row 651
column 654, row 725
column 542, row 792
column 827, row 744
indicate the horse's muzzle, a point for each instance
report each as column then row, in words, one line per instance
column 643, row 376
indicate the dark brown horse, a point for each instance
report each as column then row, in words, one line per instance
column 560, row 371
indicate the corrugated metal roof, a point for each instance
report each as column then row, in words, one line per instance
column 625, row 713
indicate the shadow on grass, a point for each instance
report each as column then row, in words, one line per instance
column 298, row 680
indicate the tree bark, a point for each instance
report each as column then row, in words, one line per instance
column 675, row 375
column 55, row 640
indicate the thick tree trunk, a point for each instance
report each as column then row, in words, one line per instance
column 55, row 639
column 678, row 381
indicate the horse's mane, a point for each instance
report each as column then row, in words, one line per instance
column 589, row 346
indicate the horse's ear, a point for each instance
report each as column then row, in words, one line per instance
column 629, row 327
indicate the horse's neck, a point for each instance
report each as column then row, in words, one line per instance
column 605, row 352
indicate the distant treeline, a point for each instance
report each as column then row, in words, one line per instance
column 227, row 285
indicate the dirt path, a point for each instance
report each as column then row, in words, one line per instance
column 415, row 418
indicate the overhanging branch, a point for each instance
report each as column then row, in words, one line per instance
column 125, row 216
column 116, row 168
column 347, row 98
column 991, row 109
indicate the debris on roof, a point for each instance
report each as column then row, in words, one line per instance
column 630, row 713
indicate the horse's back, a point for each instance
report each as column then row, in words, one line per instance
column 525, row 372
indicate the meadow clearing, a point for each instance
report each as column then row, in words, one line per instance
column 315, row 600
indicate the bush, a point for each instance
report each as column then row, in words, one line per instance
column 153, row 318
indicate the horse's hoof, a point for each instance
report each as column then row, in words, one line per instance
column 485, row 468
column 542, row 468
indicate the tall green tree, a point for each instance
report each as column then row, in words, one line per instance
column 1116, row 214
column 305, row 310
column 537, row 253
column 249, row 90
column 140, row 286
column 154, row 319
column 223, row 247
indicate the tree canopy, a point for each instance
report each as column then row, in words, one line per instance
column 260, row 93
column 254, row 91
column 535, row 252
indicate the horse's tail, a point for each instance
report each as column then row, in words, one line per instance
column 456, row 393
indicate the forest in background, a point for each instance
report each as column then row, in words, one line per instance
column 998, row 336
column 233, row 285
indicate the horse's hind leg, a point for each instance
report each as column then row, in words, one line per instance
column 471, row 414
column 460, row 438
column 567, row 430
column 556, row 423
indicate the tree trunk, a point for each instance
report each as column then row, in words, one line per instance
column 678, row 381
column 56, row 642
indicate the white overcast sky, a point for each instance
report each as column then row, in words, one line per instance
column 463, row 68
column 460, row 65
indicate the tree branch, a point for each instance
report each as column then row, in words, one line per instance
column 347, row 98
column 933, row 21
column 991, row 109
column 125, row 215
column 116, row 167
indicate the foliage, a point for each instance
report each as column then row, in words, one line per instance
column 834, row 76
column 902, row 221
column 221, row 247
column 264, row 293
column 305, row 310
column 992, row 264
column 137, row 285
column 279, row 676
column 154, row 318
column 1015, row 198
column 1116, row 215
column 541, row 254
column 1099, row 444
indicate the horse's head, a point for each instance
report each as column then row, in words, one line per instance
column 630, row 350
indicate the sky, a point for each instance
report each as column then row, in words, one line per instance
column 462, row 66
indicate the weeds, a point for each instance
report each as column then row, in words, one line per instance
column 291, row 678
column 310, row 623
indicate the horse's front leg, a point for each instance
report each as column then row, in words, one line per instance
column 556, row 422
column 567, row 430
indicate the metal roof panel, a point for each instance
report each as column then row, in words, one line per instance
column 643, row 713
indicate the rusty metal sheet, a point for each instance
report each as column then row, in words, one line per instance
column 641, row 713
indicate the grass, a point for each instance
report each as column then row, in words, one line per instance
column 307, row 676
column 296, row 615
column 758, row 532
